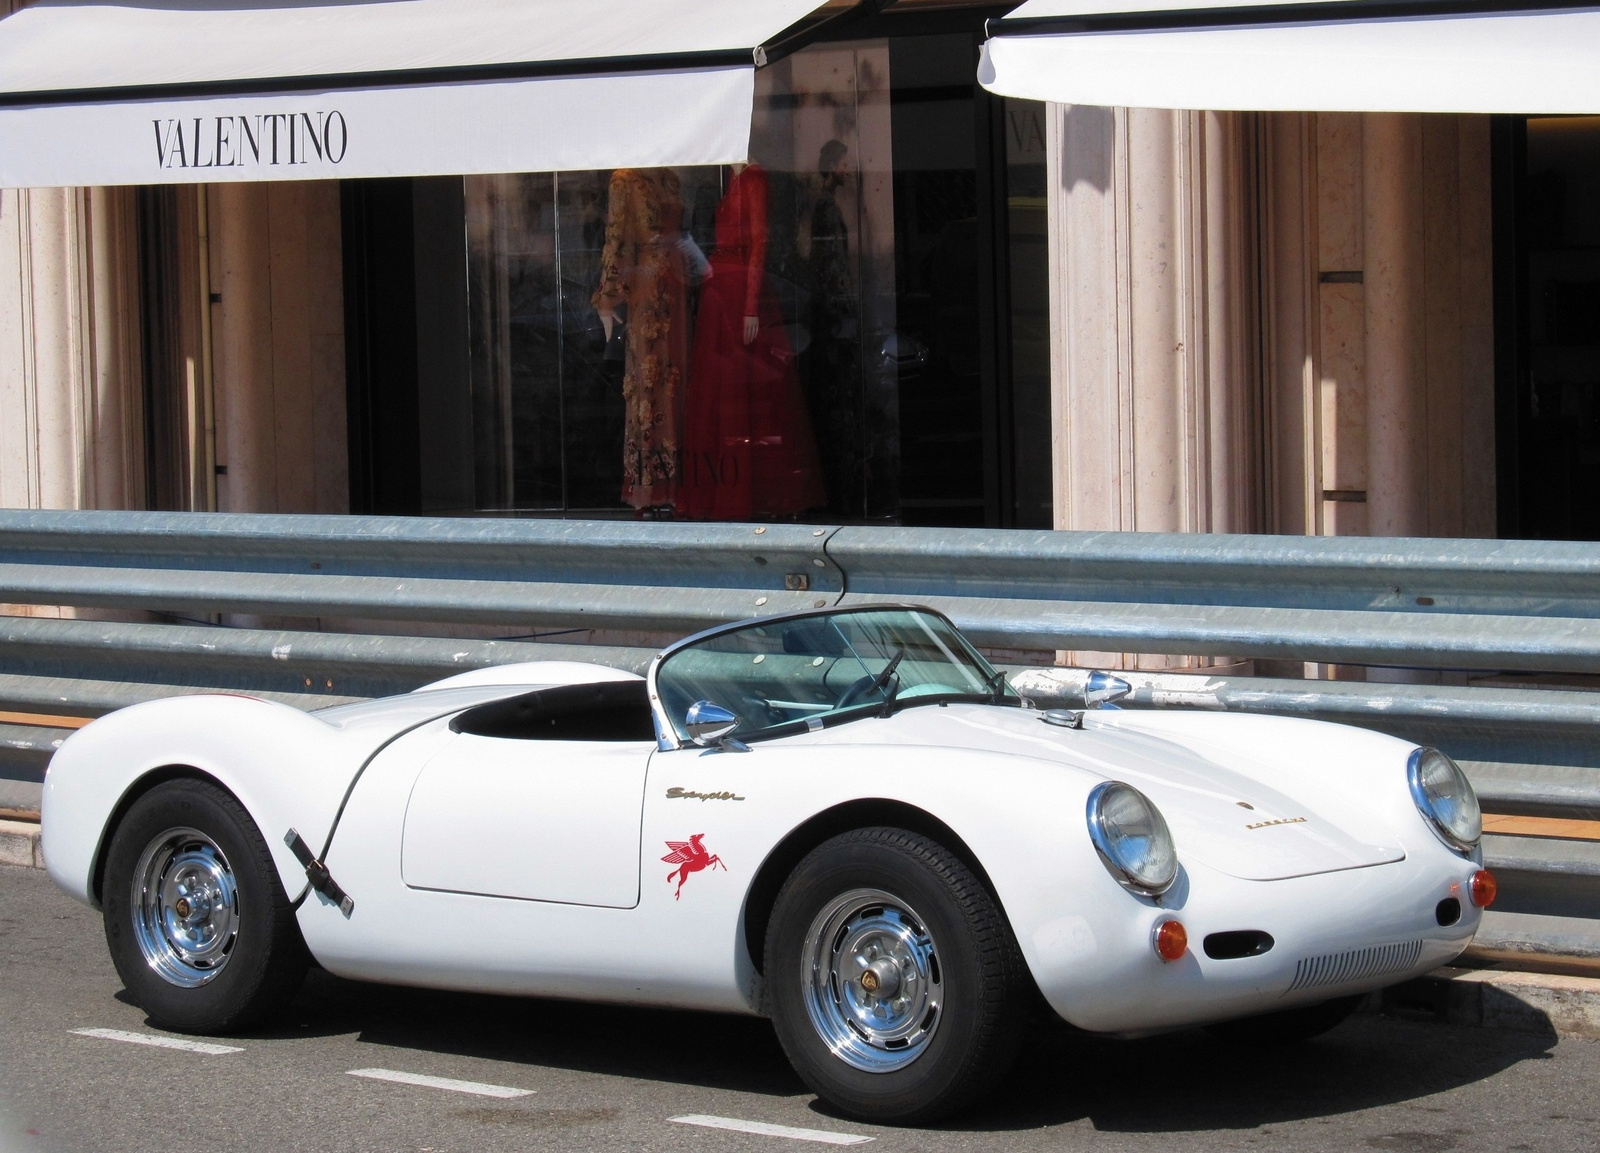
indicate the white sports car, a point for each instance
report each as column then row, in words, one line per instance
column 844, row 819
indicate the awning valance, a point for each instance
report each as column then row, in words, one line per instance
column 181, row 91
column 1313, row 55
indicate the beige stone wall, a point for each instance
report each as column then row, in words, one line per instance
column 1406, row 352
column 278, row 332
column 271, row 410
column 70, row 421
column 1275, row 323
column 1154, row 368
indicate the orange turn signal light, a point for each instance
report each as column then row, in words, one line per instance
column 1484, row 888
column 1171, row 940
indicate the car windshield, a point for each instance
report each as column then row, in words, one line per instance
column 792, row 673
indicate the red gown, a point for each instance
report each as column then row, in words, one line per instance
column 748, row 450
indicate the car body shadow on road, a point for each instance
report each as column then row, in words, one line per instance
column 1175, row 1082
column 711, row 1050
column 1190, row 1081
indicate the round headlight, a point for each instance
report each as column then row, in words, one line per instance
column 1446, row 799
column 1131, row 835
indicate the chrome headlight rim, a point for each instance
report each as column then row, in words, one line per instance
column 1106, row 847
column 1425, row 803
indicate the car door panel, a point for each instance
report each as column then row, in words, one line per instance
column 532, row 820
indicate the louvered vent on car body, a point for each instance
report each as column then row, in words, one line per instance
column 1356, row 965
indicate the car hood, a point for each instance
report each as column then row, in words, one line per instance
column 1219, row 816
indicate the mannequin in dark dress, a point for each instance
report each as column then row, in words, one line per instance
column 833, row 362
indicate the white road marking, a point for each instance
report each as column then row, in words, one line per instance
column 158, row 1041
column 764, row 1129
column 475, row 1087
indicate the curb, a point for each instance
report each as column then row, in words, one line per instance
column 19, row 844
column 1502, row 999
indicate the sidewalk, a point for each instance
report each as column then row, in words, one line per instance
column 1567, row 1005
column 19, row 844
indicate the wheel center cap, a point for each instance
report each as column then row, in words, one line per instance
column 881, row 978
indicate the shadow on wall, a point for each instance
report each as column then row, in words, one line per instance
column 1086, row 144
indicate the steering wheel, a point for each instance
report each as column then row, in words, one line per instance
column 856, row 691
column 867, row 683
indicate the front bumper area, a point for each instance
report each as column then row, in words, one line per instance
column 1334, row 934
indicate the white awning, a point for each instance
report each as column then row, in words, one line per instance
column 1312, row 55
column 186, row 91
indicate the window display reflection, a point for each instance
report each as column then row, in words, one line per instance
column 748, row 446
column 834, row 376
column 797, row 337
column 642, row 302
column 686, row 343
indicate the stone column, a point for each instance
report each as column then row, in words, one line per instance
column 70, row 428
column 279, row 347
column 1230, row 268
column 114, row 456
column 1396, row 347
column 1290, row 334
column 1154, row 382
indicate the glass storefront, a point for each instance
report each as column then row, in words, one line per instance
column 852, row 327
column 1549, row 260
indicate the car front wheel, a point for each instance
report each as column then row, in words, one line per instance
column 893, row 980
column 198, row 923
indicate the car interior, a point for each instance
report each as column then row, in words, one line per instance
column 606, row 711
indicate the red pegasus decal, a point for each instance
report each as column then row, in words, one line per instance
column 690, row 856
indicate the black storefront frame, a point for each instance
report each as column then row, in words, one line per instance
column 1533, row 499
column 1508, row 167
column 382, row 278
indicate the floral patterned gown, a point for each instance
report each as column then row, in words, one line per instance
column 642, row 268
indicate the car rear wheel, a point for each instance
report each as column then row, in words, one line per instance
column 198, row 923
column 1287, row 1026
column 894, row 983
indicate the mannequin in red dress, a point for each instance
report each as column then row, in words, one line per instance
column 748, row 450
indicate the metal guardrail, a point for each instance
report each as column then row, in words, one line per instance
column 607, row 575
column 1432, row 604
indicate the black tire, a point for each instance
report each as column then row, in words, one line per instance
column 976, row 973
column 1287, row 1026
column 258, row 962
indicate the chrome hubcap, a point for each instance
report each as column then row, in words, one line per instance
column 872, row 981
column 185, row 907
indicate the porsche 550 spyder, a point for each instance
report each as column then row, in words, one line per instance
column 846, row 820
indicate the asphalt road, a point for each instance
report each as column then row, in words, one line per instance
column 607, row 1078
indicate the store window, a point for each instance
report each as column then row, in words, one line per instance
column 1548, row 327
column 1026, row 317
column 808, row 336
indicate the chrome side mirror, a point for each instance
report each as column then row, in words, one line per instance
column 711, row 726
column 1102, row 688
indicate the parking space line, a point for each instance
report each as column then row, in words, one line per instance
column 765, row 1129
column 475, row 1087
column 158, row 1042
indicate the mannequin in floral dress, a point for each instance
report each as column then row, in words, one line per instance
column 748, row 449
column 642, row 282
